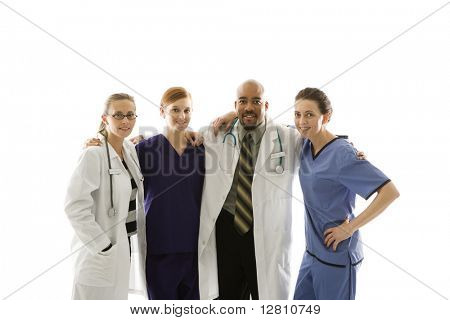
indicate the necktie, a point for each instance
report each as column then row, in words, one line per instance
column 243, row 217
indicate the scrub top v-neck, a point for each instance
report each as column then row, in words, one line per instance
column 330, row 181
column 173, row 187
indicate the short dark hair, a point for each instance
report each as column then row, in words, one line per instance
column 318, row 96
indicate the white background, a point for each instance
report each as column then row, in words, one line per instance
column 394, row 105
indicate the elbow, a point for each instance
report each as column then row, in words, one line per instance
column 394, row 195
column 394, row 191
column 390, row 192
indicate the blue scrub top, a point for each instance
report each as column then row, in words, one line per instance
column 173, row 188
column 330, row 181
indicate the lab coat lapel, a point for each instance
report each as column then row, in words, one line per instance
column 268, row 144
column 236, row 149
column 129, row 158
column 229, row 156
column 112, row 153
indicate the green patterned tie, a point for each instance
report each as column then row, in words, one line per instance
column 243, row 217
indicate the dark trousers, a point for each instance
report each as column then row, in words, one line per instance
column 172, row 276
column 236, row 260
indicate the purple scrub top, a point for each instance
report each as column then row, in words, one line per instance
column 173, row 187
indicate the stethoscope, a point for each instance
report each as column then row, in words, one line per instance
column 280, row 155
column 113, row 211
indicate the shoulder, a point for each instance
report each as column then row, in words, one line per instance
column 148, row 143
column 91, row 157
column 285, row 130
column 208, row 134
column 289, row 135
column 94, row 152
column 280, row 127
column 200, row 149
column 344, row 151
column 343, row 146
column 128, row 144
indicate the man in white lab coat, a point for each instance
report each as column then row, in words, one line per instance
column 245, row 221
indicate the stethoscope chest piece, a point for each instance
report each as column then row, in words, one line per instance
column 112, row 212
column 280, row 155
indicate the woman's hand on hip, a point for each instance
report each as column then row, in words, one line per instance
column 334, row 236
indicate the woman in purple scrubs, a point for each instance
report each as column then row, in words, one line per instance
column 331, row 176
column 173, row 173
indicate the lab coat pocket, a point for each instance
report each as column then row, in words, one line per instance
column 99, row 270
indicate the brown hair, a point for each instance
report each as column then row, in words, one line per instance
column 173, row 94
column 111, row 99
column 318, row 96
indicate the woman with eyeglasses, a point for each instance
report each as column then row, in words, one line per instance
column 104, row 206
column 173, row 166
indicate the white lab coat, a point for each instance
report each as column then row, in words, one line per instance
column 105, row 275
column 272, row 208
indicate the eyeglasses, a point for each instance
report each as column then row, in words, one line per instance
column 121, row 116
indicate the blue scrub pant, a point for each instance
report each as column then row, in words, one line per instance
column 172, row 276
column 321, row 281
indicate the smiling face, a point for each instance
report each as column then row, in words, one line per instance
column 177, row 114
column 120, row 128
column 250, row 104
column 308, row 118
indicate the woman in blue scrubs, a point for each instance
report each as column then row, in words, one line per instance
column 173, row 173
column 330, row 177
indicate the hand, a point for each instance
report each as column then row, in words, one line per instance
column 361, row 155
column 194, row 138
column 92, row 142
column 137, row 139
column 333, row 236
column 224, row 121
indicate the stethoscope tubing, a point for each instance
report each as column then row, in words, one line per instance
column 279, row 168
